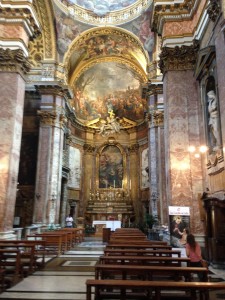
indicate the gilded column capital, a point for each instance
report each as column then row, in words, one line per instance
column 47, row 117
column 88, row 148
column 156, row 118
column 133, row 148
column 62, row 120
column 178, row 58
column 213, row 10
column 13, row 61
column 155, row 89
column 22, row 11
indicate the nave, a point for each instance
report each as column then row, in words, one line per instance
column 64, row 277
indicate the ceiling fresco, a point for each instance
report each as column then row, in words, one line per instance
column 106, row 66
column 108, row 86
column 103, row 12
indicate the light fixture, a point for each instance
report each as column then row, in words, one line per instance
column 197, row 151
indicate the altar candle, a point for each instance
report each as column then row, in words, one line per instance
column 90, row 184
column 114, row 184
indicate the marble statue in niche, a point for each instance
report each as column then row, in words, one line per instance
column 213, row 120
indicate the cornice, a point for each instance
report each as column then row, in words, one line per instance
column 178, row 58
column 172, row 11
column 20, row 11
column 53, row 89
column 13, row 61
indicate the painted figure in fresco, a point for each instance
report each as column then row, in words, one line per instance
column 213, row 118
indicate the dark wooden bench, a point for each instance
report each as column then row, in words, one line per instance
column 138, row 289
column 146, row 245
column 143, row 260
column 137, row 242
column 143, row 252
column 2, row 279
column 27, row 255
column 35, row 249
column 103, row 271
column 10, row 262
column 55, row 243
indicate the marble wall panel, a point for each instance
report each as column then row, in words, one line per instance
column 181, row 107
column 175, row 28
column 11, row 114
column 16, row 31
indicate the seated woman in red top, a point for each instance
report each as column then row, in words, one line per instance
column 193, row 251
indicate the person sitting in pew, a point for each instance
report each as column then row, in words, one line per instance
column 193, row 251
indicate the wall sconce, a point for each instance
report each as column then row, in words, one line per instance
column 197, row 151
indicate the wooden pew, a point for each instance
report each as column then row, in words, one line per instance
column 54, row 243
column 143, row 260
column 158, row 252
column 137, row 242
column 77, row 234
column 10, row 261
column 35, row 249
column 147, row 245
column 2, row 280
column 27, row 255
column 103, row 271
column 105, row 289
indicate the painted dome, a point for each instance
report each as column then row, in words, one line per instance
column 104, row 12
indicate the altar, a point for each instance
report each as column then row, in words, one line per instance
column 113, row 225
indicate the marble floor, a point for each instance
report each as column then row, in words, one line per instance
column 66, row 280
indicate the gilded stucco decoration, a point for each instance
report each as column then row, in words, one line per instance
column 178, row 58
column 213, row 10
column 104, row 12
column 43, row 47
column 13, row 60
column 111, row 124
column 47, row 118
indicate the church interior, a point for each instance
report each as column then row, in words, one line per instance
column 112, row 111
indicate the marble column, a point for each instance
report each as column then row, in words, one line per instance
column 156, row 152
column 89, row 182
column 182, row 121
column 50, row 153
column 14, row 38
column 134, row 181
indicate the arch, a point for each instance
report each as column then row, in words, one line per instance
column 114, row 44
column 44, row 46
